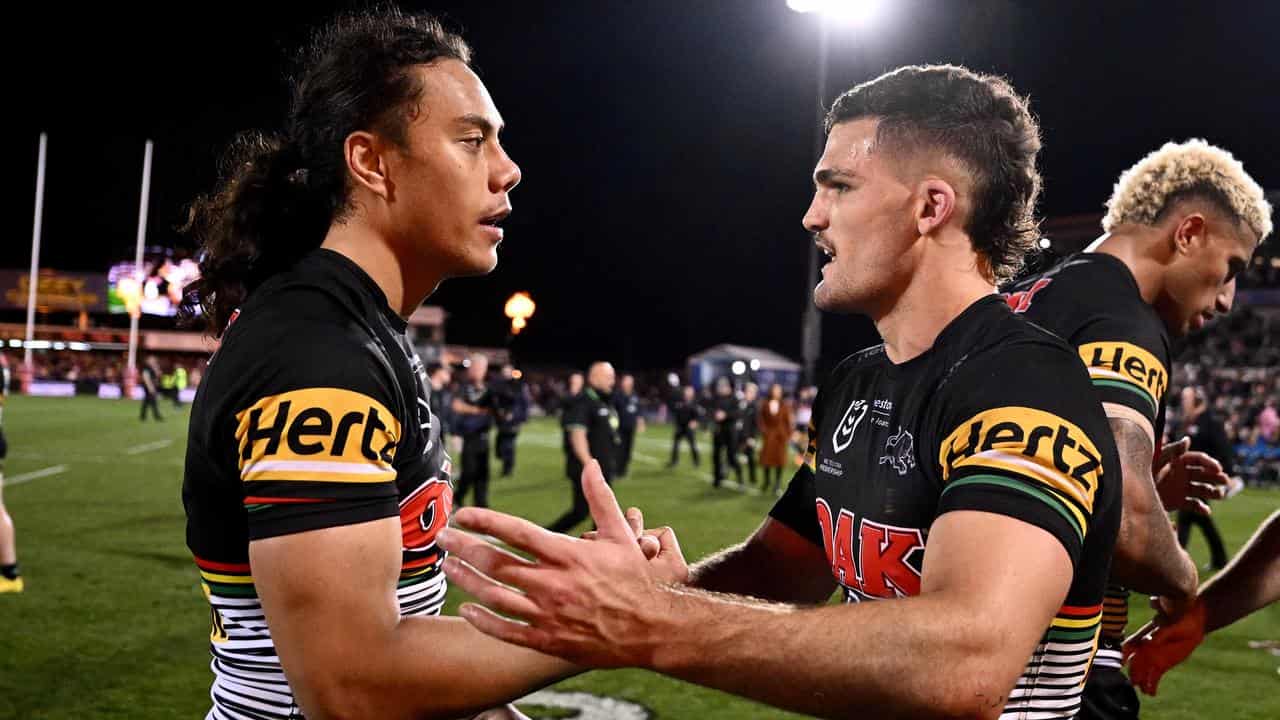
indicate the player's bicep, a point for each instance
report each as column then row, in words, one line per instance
column 328, row 596
column 1010, row 576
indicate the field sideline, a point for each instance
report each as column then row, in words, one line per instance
column 113, row 624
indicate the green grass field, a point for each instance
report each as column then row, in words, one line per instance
column 113, row 624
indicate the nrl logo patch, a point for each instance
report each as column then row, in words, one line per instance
column 844, row 431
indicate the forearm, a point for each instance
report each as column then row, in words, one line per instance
column 917, row 657
column 578, row 443
column 747, row 569
column 1147, row 557
column 430, row 667
column 1249, row 582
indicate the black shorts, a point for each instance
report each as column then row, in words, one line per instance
column 1108, row 695
column 4, row 445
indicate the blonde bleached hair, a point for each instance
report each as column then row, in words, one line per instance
column 1177, row 171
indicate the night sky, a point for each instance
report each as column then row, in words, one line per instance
column 666, row 146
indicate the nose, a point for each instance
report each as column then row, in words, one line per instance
column 505, row 174
column 1226, row 298
column 816, row 218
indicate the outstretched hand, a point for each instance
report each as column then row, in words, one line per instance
column 1161, row 644
column 593, row 602
column 1188, row 479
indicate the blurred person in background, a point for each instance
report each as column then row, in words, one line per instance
column 572, row 391
column 776, row 423
column 724, row 433
column 473, row 410
column 592, row 426
column 439, row 376
column 686, row 413
column 10, row 577
column 511, row 410
column 749, row 429
column 1208, row 436
column 150, row 377
column 630, row 420
column 169, row 382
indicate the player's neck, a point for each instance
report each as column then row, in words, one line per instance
column 364, row 246
column 1134, row 248
column 939, row 291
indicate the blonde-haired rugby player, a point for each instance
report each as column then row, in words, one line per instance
column 1180, row 226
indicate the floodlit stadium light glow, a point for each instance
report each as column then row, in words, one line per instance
column 15, row 342
column 59, row 346
column 755, row 364
column 1045, row 243
column 845, row 12
column 38, row 344
column 78, row 346
column 738, row 367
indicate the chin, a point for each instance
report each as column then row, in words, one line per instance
column 479, row 264
column 828, row 300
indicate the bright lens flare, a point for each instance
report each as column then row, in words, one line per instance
column 845, row 12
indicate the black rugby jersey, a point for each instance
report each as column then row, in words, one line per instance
column 313, row 413
column 996, row 417
column 1092, row 301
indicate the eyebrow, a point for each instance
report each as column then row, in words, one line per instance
column 826, row 176
column 481, row 122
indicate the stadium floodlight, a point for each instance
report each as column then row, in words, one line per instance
column 755, row 364
column 845, row 12
column 1045, row 243
column 738, row 367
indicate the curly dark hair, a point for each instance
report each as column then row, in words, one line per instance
column 980, row 121
column 279, row 192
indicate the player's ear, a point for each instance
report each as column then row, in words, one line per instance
column 1189, row 233
column 936, row 204
column 367, row 163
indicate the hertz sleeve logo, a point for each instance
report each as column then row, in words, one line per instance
column 317, row 434
column 1126, row 366
column 1032, row 444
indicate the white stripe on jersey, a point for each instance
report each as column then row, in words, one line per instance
column 249, row 683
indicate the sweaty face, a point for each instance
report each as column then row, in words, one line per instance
column 861, row 218
column 450, row 184
column 1201, row 282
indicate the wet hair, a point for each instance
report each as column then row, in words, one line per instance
column 977, row 120
column 279, row 192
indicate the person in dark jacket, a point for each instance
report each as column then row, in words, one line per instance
column 1210, row 437
column 630, row 420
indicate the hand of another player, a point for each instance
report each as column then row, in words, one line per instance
column 506, row 712
column 588, row 601
column 1161, row 644
column 1189, row 480
column 660, row 547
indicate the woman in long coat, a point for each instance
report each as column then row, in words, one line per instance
column 775, row 420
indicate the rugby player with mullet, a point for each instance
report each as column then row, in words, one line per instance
column 316, row 477
column 961, row 486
